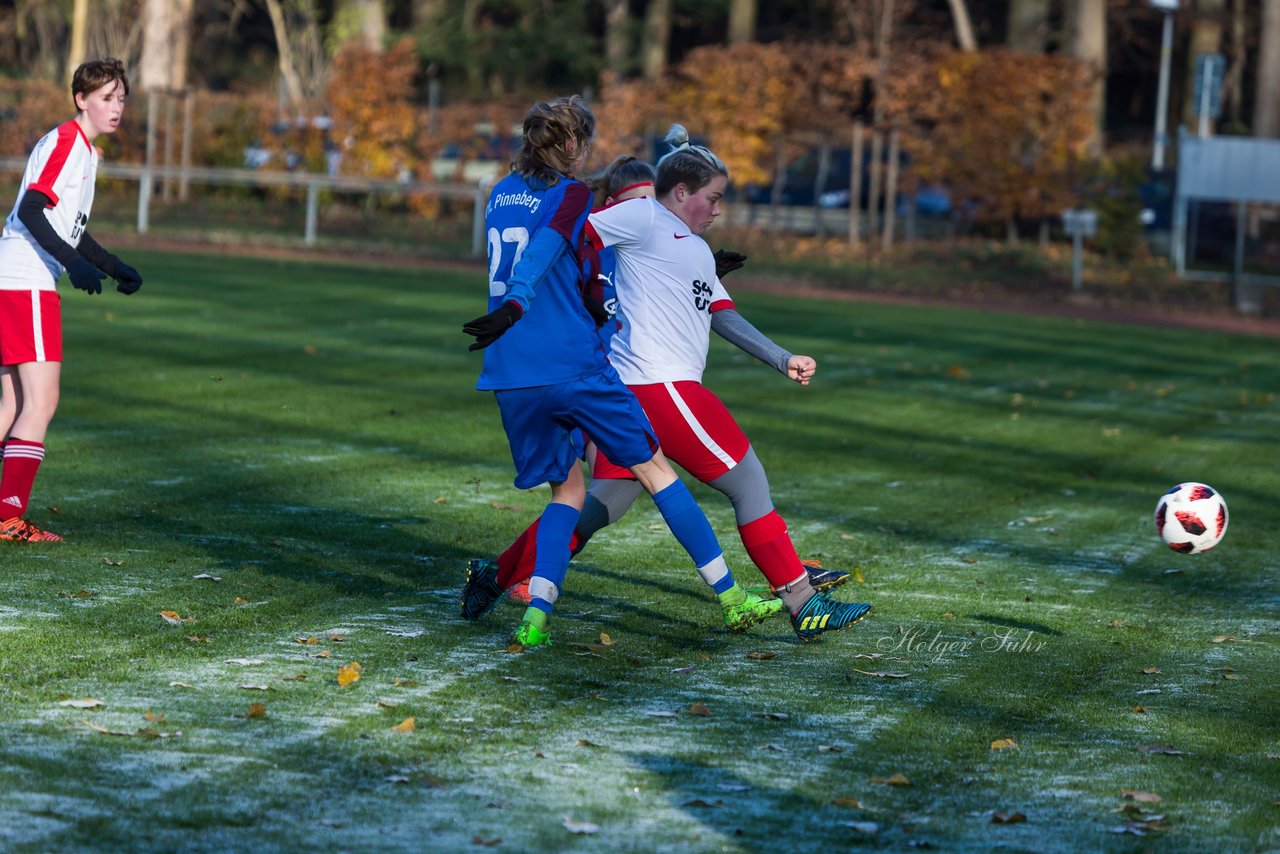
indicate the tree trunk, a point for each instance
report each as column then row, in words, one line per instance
column 1028, row 25
column 1089, row 45
column 360, row 21
column 470, row 33
column 742, row 21
column 657, row 38
column 284, row 58
column 1206, row 37
column 79, row 26
column 617, row 36
column 426, row 14
column 964, row 28
column 1233, row 86
column 1266, row 104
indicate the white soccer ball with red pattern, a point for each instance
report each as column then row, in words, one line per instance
column 1191, row 518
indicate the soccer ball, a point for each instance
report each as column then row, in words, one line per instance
column 1191, row 518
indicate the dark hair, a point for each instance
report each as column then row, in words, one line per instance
column 625, row 171
column 553, row 137
column 691, row 165
column 96, row 73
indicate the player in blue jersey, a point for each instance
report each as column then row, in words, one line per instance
column 549, row 374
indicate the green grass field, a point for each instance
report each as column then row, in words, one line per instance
column 308, row 434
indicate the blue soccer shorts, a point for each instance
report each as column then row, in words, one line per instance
column 542, row 423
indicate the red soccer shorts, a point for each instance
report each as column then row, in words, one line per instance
column 696, row 430
column 30, row 327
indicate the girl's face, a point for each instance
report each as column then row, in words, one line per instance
column 101, row 109
column 698, row 210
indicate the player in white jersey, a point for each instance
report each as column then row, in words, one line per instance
column 45, row 234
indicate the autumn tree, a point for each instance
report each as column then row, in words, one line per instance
column 371, row 108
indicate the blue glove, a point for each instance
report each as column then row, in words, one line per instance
column 128, row 280
column 85, row 276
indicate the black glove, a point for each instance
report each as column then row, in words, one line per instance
column 727, row 261
column 489, row 328
column 85, row 276
column 596, row 309
column 128, row 280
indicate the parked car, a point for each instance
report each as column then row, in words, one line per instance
column 799, row 186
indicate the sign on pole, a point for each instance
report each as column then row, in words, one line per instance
column 1211, row 69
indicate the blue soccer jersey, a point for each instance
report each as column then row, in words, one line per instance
column 534, row 235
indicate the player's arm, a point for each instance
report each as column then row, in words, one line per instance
column 84, row 262
column 738, row 331
column 128, row 280
column 546, row 247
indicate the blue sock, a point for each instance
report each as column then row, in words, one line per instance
column 551, row 562
column 687, row 521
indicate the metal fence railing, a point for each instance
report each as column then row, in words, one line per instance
column 314, row 184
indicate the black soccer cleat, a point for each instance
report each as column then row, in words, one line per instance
column 822, row 580
column 481, row 592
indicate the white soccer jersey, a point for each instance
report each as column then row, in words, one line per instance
column 667, row 290
column 63, row 166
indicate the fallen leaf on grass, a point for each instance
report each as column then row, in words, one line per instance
column 255, row 687
column 486, row 843
column 830, row 748
column 387, row 704
column 514, row 649
column 105, row 730
column 498, row 505
column 86, row 703
column 406, row 725
column 1167, row 749
column 700, row 709
column 173, row 618
column 154, row 717
column 868, row 828
column 1007, row 818
column 881, row 674
column 204, row 576
column 109, row 562
column 349, row 673
column 297, row 677
column 405, row 683
column 1142, row 710
column 857, row 575
column 661, row 714
column 579, row 827
column 689, row 669
column 761, row 656
column 1232, row 676
column 847, row 802
column 335, row 637
column 773, row 716
column 777, row 748
column 701, row 804
column 440, row 499
column 583, row 742
column 1003, row 744
column 241, row 601
column 898, row 779
column 395, row 778
column 308, row 641
column 1150, row 670
column 1226, row 639
column 1140, row 828
column 245, row 662
column 324, row 653
column 79, row 594
column 149, row 732
column 1140, row 797
column 176, row 684
column 255, row 710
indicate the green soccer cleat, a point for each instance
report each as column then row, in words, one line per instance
column 824, row 614
column 481, row 592
column 528, row 636
column 751, row 611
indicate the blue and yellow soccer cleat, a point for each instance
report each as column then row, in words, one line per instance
column 481, row 592
column 751, row 611
column 824, row 614
column 528, row 636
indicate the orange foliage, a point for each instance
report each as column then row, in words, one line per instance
column 1009, row 129
column 370, row 101
column 28, row 110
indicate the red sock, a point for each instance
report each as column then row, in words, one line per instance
column 516, row 563
column 21, row 462
column 769, row 546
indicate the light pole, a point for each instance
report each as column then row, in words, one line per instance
column 1162, row 96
